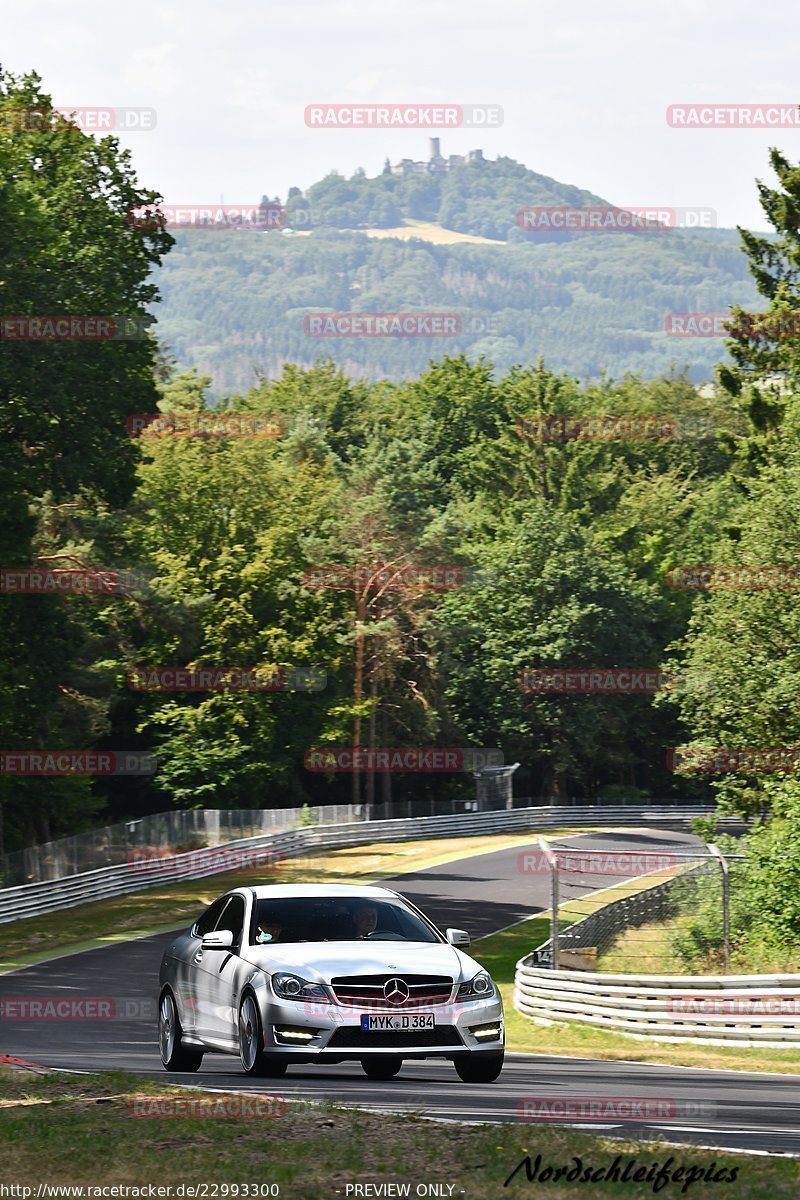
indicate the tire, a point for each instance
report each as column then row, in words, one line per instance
column 174, row 1055
column 382, row 1066
column 482, row 1066
column 251, row 1043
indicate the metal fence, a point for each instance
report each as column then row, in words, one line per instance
column 681, row 918
column 193, row 829
column 33, row 899
column 692, row 907
column 177, row 831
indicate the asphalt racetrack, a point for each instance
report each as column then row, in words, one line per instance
column 484, row 893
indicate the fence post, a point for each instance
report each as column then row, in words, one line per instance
column 544, row 845
column 726, row 906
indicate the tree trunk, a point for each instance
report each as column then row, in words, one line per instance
column 386, row 776
column 358, row 689
column 41, row 823
column 373, row 717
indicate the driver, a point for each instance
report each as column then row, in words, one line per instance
column 269, row 930
column 365, row 919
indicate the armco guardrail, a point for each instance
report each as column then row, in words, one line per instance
column 33, row 899
column 745, row 1010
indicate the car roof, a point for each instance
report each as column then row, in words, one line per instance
column 279, row 891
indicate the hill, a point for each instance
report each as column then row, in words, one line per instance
column 234, row 302
column 479, row 197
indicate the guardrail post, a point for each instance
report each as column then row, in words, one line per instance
column 553, row 864
column 726, row 905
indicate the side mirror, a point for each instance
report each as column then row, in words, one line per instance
column 223, row 940
column 457, row 937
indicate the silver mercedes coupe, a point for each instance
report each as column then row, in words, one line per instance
column 325, row 973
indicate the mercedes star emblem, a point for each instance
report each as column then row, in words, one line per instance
column 396, row 991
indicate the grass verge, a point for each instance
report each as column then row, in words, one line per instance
column 79, row 1131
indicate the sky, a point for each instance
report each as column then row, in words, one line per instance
column 584, row 88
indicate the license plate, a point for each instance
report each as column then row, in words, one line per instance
column 397, row 1023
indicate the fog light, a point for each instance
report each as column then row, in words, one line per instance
column 486, row 1033
column 291, row 1033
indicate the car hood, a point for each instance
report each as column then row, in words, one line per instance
column 319, row 962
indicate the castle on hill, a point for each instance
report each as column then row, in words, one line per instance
column 436, row 163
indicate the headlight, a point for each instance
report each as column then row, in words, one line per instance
column 292, row 987
column 478, row 988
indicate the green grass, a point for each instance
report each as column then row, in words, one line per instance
column 78, row 1131
column 648, row 950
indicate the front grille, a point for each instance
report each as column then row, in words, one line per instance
column 355, row 990
column 359, row 1039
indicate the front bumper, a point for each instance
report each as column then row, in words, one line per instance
column 302, row 1030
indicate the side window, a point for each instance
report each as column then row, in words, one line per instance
column 233, row 919
column 210, row 917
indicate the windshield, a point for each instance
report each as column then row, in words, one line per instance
column 307, row 919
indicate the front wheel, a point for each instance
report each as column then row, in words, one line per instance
column 483, row 1066
column 251, row 1043
column 174, row 1055
column 382, row 1066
